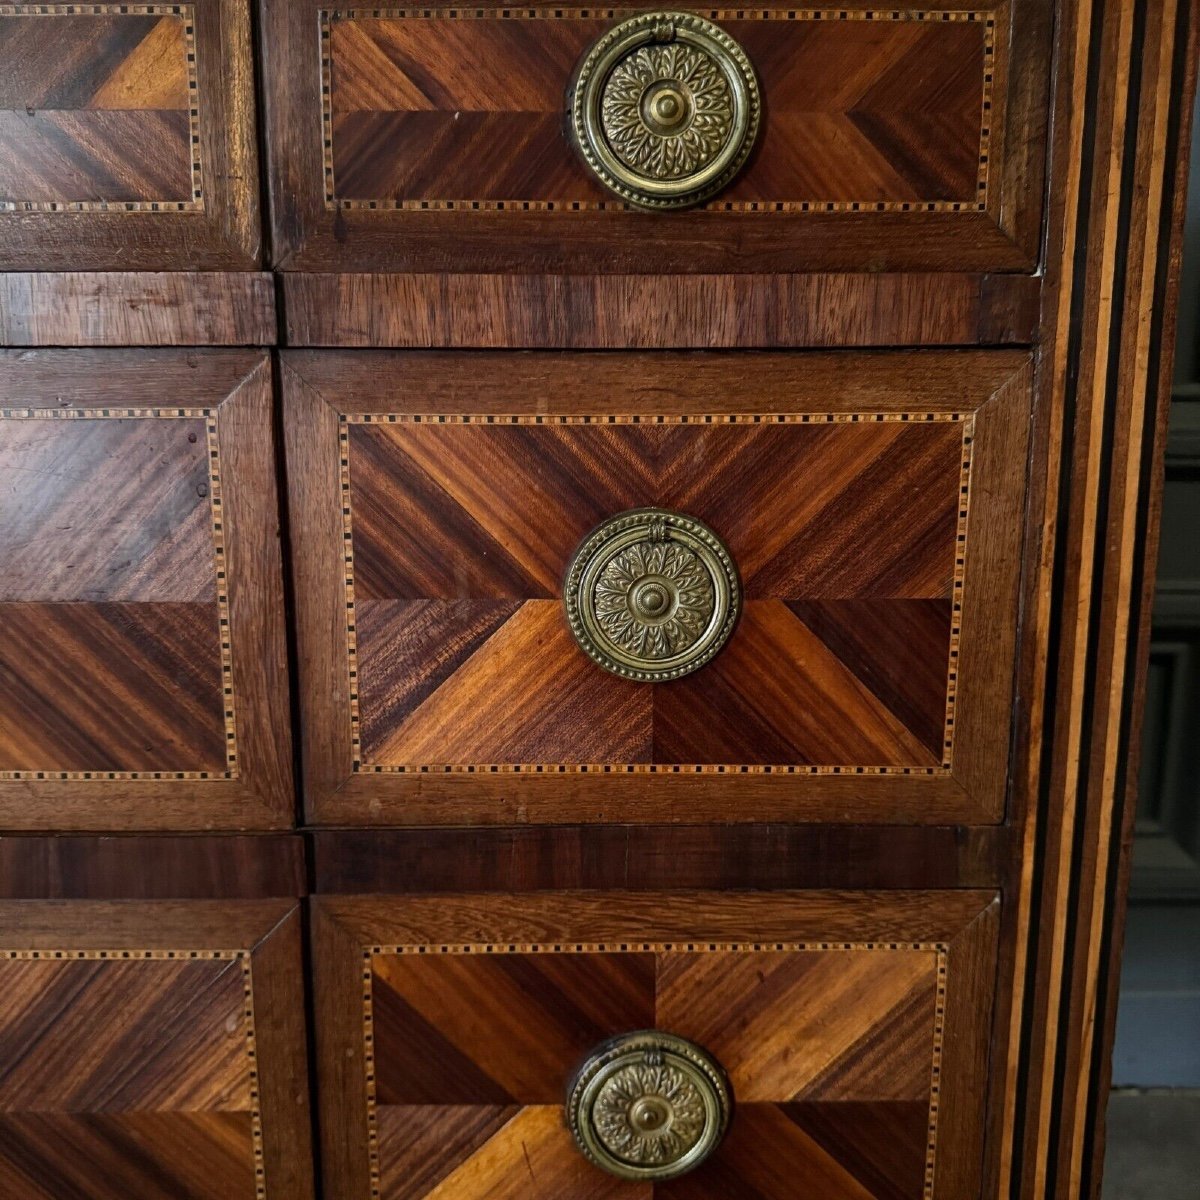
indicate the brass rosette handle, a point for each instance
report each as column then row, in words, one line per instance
column 665, row 109
column 652, row 594
column 648, row 1106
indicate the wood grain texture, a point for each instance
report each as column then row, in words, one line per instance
column 1166, row 126
column 1119, row 226
column 126, row 308
column 161, row 1156
column 111, row 109
column 655, row 312
column 127, row 137
column 156, row 670
column 441, row 110
column 152, row 1050
column 844, row 1151
column 538, row 858
column 460, row 531
column 162, row 867
column 469, row 1016
column 142, row 596
column 896, row 182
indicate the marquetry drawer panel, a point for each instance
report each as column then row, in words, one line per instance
column 871, row 504
column 436, row 136
column 126, row 136
column 141, row 625
column 852, row 1027
column 153, row 1051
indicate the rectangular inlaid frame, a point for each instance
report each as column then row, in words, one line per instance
column 984, row 19
column 263, row 938
column 190, row 198
column 989, row 388
column 217, row 224
column 315, row 229
column 959, row 928
column 232, row 393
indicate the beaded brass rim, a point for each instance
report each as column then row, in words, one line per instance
column 665, row 109
column 652, row 594
column 648, row 1106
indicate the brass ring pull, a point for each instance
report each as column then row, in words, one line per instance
column 648, row 1106
column 665, row 109
column 652, row 594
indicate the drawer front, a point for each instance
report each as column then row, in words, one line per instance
column 870, row 506
column 438, row 138
column 152, row 1050
column 142, row 646
column 127, row 136
column 851, row 1028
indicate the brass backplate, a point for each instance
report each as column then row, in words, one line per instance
column 665, row 109
column 652, row 594
column 648, row 1106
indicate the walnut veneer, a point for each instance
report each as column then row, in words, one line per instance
column 322, row 350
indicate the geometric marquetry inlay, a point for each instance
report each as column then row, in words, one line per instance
column 439, row 109
column 129, row 1073
column 851, row 536
column 833, row 1053
column 115, row 648
column 852, row 1028
column 99, row 108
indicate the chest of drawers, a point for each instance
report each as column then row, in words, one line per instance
column 573, row 593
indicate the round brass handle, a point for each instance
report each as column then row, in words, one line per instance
column 665, row 109
column 648, row 1105
column 652, row 594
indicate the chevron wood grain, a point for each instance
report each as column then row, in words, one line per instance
column 71, row 1030
column 809, row 1025
column 518, row 1023
column 840, row 1054
column 909, row 683
column 127, row 142
column 893, row 138
column 113, row 1051
column 878, row 109
column 530, row 666
column 106, row 509
column 768, row 1151
column 880, row 1144
column 419, row 1147
column 99, row 109
column 152, row 1051
column 532, row 1157
column 458, row 1040
column 140, row 594
column 810, row 708
column 113, row 593
column 461, row 537
column 860, row 497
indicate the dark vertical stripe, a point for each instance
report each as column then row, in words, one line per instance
column 1130, row 719
column 1078, row 275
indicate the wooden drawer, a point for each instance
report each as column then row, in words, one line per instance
column 141, row 612
column 852, row 1028
column 435, row 138
column 152, row 1051
column 127, row 137
column 871, row 505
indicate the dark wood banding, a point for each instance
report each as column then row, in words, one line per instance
column 164, row 867
column 641, row 857
column 658, row 313
column 126, row 308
